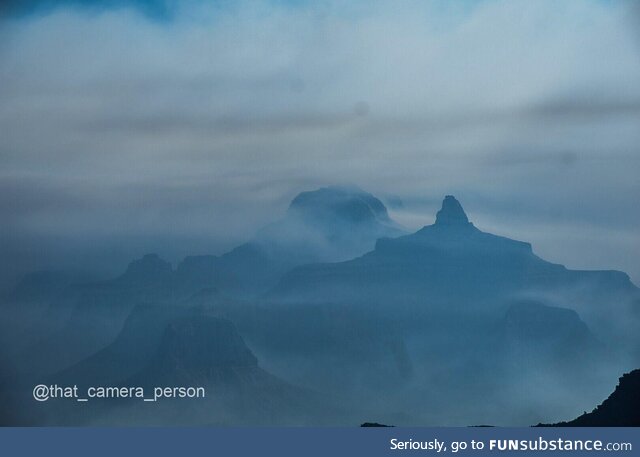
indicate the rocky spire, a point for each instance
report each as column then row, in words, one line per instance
column 451, row 213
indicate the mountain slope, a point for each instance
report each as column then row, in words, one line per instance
column 208, row 352
column 447, row 326
column 453, row 264
column 620, row 409
column 328, row 224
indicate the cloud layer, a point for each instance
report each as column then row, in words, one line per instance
column 123, row 133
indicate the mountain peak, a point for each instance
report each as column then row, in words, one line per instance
column 451, row 213
column 345, row 203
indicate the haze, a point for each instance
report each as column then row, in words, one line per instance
column 143, row 126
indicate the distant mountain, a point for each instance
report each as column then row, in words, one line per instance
column 453, row 265
column 621, row 409
column 79, row 319
column 538, row 333
column 204, row 351
column 87, row 317
column 481, row 317
column 138, row 340
column 131, row 351
column 149, row 270
column 326, row 225
column 42, row 285
column 449, row 325
column 197, row 346
column 172, row 346
column 25, row 311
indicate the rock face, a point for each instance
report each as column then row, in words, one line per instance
column 451, row 213
column 621, row 409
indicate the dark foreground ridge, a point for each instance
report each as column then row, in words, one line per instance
column 621, row 409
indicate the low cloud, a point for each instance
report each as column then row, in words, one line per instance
column 195, row 123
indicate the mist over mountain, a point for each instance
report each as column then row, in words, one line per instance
column 176, row 196
column 182, row 347
column 449, row 325
column 328, row 224
column 209, row 352
column 445, row 288
column 325, row 225
column 552, row 331
column 453, row 264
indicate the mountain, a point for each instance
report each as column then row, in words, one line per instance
column 171, row 346
column 139, row 339
column 208, row 352
column 88, row 316
column 449, row 325
column 484, row 321
column 452, row 265
column 620, row 409
column 535, row 332
column 42, row 285
column 79, row 319
column 149, row 270
column 131, row 350
column 325, row 225
column 26, row 311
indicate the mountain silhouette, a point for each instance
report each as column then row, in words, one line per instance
column 620, row 409
column 130, row 352
column 449, row 325
column 86, row 317
column 170, row 346
column 451, row 263
column 329, row 224
column 208, row 352
column 451, row 213
column 458, row 298
column 42, row 285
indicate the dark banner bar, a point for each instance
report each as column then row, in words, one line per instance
column 309, row 442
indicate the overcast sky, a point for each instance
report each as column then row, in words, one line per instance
column 143, row 126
